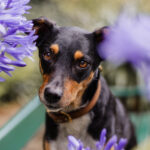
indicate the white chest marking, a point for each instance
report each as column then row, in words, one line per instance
column 77, row 128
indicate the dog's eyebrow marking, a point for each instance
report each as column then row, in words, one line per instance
column 78, row 55
column 55, row 48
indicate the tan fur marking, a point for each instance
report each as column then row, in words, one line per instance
column 46, row 145
column 41, row 69
column 73, row 93
column 46, row 79
column 78, row 55
column 55, row 48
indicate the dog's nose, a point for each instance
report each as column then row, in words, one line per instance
column 51, row 97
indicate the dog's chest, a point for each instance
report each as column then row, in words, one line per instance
column 77, row 128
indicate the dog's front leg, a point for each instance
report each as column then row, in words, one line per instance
column 46, row 145
column 49, row 145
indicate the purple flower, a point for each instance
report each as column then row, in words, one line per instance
column 102, row 141
column 128, row 41
column 111, row 143
column 75, row 144
column 15, row 45
column 122, row 143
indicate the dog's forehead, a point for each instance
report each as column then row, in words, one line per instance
column 72, row 39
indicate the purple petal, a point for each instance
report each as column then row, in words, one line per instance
column 8, row 61
column 6, row 68
column 8, row 3
column 103, row 137
column 2, row 80
column 73, row 142
column 111, row 143
column 101, row 142
column 122, row 144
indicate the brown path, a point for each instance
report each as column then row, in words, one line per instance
column 7, row 111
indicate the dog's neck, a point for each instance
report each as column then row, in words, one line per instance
column 89, row 92
column 87, row 105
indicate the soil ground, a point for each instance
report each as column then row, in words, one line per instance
column 7, row 111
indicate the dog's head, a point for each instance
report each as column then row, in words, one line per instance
column 68, row 60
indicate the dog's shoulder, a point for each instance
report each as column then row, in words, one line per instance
column 102, row 115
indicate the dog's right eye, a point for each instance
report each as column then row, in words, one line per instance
column 48, row 55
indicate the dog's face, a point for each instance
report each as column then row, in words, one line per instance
column 68, row 60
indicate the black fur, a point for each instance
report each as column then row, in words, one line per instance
column 108, row 113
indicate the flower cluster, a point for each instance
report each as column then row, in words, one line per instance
column 15, row 44
column 128, row 40
column 75, row 144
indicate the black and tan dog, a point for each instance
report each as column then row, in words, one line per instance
column 77, row 98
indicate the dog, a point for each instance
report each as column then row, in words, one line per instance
column 77, row 98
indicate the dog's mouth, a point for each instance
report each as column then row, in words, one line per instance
column 51, row 108
column 57, row 108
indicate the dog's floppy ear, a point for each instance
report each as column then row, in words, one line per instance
column 99, row 34
column 43, row 27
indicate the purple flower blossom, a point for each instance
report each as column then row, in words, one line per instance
column 102, row 141
column 122, row 143
column 75, row 144
column 128, row 41
column 15, row 45
column 111, row 143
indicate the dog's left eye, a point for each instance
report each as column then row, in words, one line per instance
column 83, row 64
column 48, row 55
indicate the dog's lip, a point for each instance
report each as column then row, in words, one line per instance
column 50, row 107
column 53, row 108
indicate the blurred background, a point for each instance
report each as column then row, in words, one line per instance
column 124, row 81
